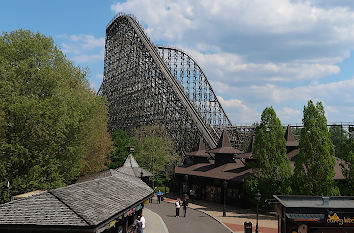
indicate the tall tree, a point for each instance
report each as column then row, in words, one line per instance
column 120, row 141
column 46, row 111
column 155, row 149
column 272, row 173
column 314, row 167
column 347, row 154
column 338, row 136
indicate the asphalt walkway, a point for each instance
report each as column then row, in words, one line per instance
column 195, row 221
column 235, row 217
column 153, row 222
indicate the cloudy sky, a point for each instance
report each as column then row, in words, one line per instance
column 255, row 53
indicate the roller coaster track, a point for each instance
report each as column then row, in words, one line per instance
column 136, row 73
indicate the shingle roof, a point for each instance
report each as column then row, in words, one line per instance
column 131, row 167
column 95, row 176
column 83, row 204
column 39, row 209
column 99, row 199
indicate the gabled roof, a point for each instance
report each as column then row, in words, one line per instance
column 201, row 152
column 131, row 167
column 83, row 204
column 289, row 137
column 224, row 145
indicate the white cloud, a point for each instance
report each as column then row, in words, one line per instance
column 260, row 30
column 259, row 53
column 288, row 113
column 238, row 111
column 85, row 58
column 99, row 77
column 230, row 67
column 83, row 48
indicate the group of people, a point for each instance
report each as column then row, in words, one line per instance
column 139, row 224
column 184, row 203
column 178, row 203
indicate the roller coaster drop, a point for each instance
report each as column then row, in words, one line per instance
column 146, row 85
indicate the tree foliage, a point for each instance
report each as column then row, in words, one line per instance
column 51, row 123
column 347, row 154
column 272, row 171
column 155, row 150
column 338, row 136
column 314, row 167
column 120, row 141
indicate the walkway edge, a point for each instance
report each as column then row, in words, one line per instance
column 159, row 217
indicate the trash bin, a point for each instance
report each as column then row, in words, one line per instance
column 248, row 227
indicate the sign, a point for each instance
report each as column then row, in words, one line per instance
column 334, row 219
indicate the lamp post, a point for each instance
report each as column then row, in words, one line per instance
column 224, row 186
column 8, row 189
column 258, row 198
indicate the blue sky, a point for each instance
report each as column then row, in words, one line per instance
column 256, row 53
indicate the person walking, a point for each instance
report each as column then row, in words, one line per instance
column 185, row 204
column 178, row 206
column 159, row 196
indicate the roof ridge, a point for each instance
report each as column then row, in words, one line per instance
column 50, row 191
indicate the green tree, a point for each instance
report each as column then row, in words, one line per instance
column 347, row 154
column 46, row 111
column 314, row 167
column 338, row 136
column 155, row 151
column 272, row 173
column 120, row 141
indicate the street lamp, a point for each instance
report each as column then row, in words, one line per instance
column 8, row 189
column 258, row 198
column 224, row 186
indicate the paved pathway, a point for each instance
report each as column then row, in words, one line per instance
column 235, row 216
column 154, row 223
column 195, row 222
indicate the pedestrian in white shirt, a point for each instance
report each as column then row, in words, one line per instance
column 142, row 220
column 178, row 206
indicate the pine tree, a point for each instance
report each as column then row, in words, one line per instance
column 314, row 167
column 272, row 173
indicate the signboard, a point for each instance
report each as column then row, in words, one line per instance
column 341, row 219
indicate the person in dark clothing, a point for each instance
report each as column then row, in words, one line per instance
column 185, row 204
